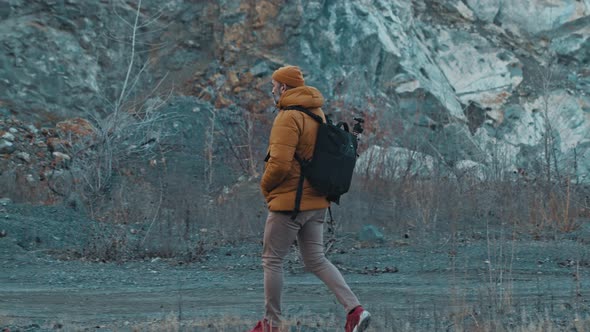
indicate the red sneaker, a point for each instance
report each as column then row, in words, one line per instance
column 357, row 320
column 264, row 326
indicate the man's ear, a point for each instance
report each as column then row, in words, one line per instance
column 283, row 87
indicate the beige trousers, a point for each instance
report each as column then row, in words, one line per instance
column 279, row 233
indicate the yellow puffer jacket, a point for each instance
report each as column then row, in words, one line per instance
column 293, row 132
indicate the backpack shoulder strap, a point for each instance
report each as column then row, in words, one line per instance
column 306, row 111
column 302, row 162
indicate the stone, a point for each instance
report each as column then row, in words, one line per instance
column 32, row 129
column 370, row 233
column 409, row 86
column 86, row 42
column 24, row 156
column 233, row 79
column 30, row 179
column 5, row 201
column 13, row 130
column 61, row 156
column 222, row 101
column 8, row 136
column 6, row 147
column 61, row 160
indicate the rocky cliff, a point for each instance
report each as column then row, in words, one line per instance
column 501, row 86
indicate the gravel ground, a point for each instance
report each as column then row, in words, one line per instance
column 466, row 280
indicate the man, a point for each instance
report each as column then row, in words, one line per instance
column 294, row 133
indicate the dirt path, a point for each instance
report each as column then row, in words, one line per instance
column 435, row 283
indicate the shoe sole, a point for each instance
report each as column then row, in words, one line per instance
column 364, row 321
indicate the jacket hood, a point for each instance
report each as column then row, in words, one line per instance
column 305, row 96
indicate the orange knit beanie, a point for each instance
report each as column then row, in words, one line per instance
column 290, row 75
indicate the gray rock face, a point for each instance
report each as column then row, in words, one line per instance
column 478, row 71
column 337, row 34
column 442, row 70
column 451, row 81
column 533, row 16
column 571, row 40
column 59, row 58
column 38, row 73
column 261, row 69
column 485, row 10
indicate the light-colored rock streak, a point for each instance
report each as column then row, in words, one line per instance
column 478, row 71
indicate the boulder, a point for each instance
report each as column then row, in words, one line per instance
column 370, row 233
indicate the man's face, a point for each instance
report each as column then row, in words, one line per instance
column 277, row 90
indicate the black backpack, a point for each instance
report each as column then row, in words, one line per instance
column 330, row 169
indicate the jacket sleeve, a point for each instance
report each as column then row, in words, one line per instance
column 284, row 137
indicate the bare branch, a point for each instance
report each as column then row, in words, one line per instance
column 121, row 17
column 137, row 76
column 154, row 18
column 132, row 59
